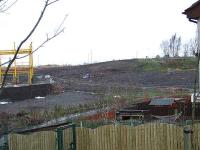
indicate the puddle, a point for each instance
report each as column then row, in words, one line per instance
column 39, row 97
column 4, row 103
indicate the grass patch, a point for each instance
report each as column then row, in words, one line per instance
column 164, row 64
column 179, row 63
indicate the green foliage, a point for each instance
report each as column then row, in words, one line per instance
column 58, row 111
column 141, row 94
column 180, row 63
column 148, row 65
column 164, row 64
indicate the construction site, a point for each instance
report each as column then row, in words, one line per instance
column 141, row 103
column 132, row 88
column 20, row 80
column 123, row 89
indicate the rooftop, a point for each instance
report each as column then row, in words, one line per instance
column 193, row 12
column 162, row 102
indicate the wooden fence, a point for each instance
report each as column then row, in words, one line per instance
column 196, row 136
column 143, row 137
column 152, row 136
column 36, row 141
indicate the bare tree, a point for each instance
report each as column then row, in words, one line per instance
column 6, row 4
column 47, row 3
column 174, row 45
column 186, row 50
column 193, row 46
column 177, row 46
column 190, row 48
column 165, row 47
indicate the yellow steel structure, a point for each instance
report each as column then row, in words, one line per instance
column 15, row 69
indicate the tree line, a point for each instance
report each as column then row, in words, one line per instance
column 173, row 47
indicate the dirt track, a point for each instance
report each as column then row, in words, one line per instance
column 64, row 99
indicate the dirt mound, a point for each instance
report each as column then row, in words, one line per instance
column 125, row 74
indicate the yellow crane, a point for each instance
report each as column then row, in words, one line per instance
column 17, row 70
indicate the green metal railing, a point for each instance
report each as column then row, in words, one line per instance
column 4, row 138
column 60, row 140
column 4, row 142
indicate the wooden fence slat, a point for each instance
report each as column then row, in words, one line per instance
column 151, row 136
column 133, row 133
column 39, row 141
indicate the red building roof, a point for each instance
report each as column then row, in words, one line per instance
column 193, row 12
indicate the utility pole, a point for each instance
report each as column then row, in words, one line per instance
column 197, row 92
column 193, row 15
column 91, row 56
column 198, row 50
column 38, row 60
column 136, row 54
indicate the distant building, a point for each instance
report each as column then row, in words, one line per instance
column 161, row 108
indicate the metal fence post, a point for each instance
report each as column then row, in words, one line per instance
column 73, row 144
column 187, row 137
column 4, row 145
column 74, row 136
column 59, row 139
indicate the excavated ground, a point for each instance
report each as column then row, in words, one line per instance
column 79, row 83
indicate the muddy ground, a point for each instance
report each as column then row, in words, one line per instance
column 103, row 76
column 99, row 78
column 67, row 98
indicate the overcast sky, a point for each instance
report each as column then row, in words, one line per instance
column 101, row 29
